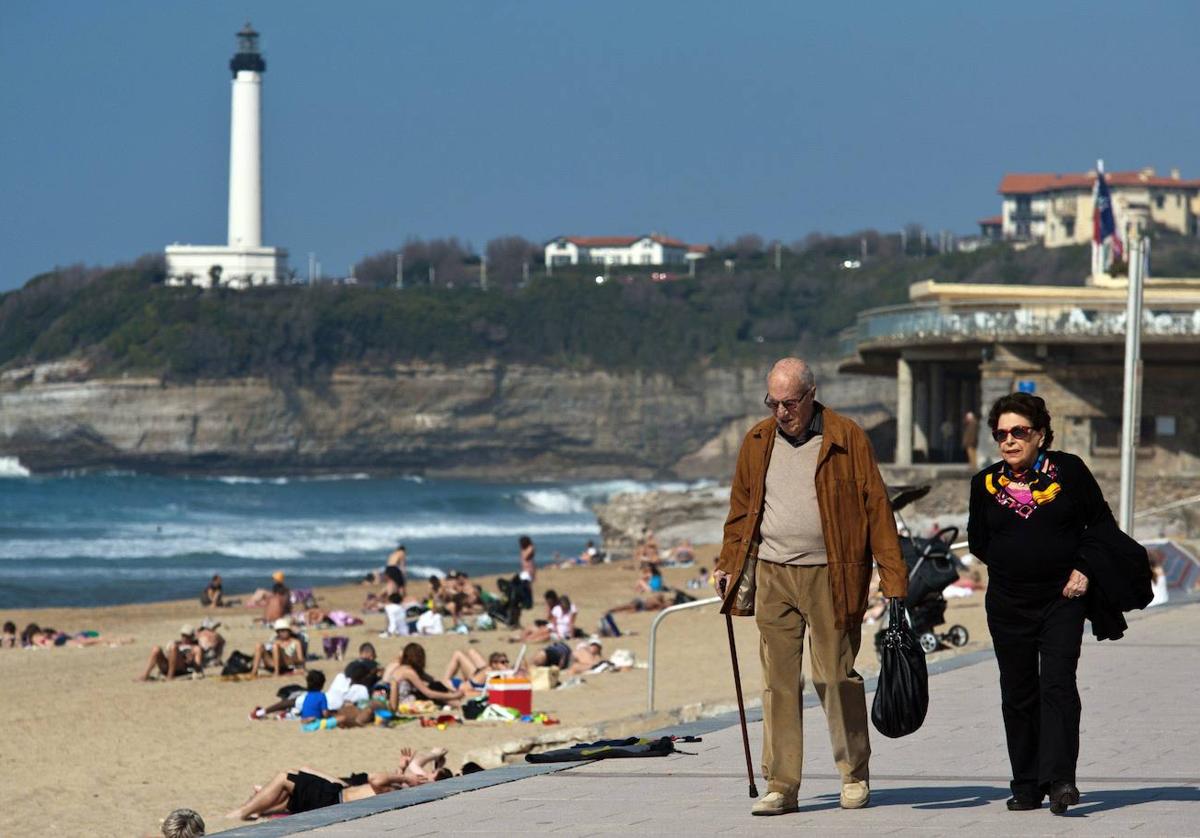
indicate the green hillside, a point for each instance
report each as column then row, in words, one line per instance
column 125, row 321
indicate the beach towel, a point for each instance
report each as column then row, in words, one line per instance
column 614, row 748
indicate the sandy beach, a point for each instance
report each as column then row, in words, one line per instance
column 88, row 751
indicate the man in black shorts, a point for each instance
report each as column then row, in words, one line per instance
column 394, row 572
column 556, row 654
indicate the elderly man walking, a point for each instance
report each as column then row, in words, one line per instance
column 807, row 511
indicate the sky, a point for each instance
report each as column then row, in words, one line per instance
column 702, row 120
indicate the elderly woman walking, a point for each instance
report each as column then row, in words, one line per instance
column 1028, row 516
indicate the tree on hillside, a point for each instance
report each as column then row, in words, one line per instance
column 377, row 270
column 506, row 258
column 452, row 261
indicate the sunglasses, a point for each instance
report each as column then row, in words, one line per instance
column 790, row 405
column 1020, row 432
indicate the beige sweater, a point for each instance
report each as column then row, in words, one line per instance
column 791, row 520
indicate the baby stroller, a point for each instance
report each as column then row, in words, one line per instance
column 931, row 567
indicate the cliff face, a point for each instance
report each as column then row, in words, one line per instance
column 487, row 420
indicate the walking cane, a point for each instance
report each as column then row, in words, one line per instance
column 737, row 684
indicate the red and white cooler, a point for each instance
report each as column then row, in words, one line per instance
column 511, row 691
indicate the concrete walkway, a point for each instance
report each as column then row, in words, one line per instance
column 1139, row 769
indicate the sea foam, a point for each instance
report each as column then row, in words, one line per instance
column 11, row 467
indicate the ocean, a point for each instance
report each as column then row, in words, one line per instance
column 112, row 538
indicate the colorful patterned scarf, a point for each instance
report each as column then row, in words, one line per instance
column 1041, row 479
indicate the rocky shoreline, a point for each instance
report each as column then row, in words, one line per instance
column 487, row 420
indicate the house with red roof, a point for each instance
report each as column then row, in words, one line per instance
column 652, row 249
column 1056, row 209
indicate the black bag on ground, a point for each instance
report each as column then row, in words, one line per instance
column 238, row 663
column 612, row 748
column 902, row 689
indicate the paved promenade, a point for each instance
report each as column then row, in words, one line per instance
column 1139, row 769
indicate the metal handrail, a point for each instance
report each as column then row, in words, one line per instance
column 658, row 618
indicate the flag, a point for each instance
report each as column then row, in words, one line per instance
column 1104, row 224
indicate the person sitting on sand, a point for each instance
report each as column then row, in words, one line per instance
column 9, row 636
column 700, row 580
column 651, row 581
column 408, row 680
column 469, row 671
column 397, row 617
column 278, row 604
column 305, row 789
column 260, row 596
column 309, row 703
column 178, row 657
column 314, row 704
column 647, row 550
column 283, row 655
column 541, row 630
column 682, row 554
column 212, row 644
column 349, row 695
column 213, row 596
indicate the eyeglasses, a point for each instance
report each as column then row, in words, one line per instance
column 790, row 405
column 1017, row 431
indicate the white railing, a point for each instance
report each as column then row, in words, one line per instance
column 930, row 322
column 658, row 618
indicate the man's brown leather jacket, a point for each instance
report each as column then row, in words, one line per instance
column 856, row 517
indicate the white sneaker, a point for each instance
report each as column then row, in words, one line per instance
column 774, row 803
column 855, row 795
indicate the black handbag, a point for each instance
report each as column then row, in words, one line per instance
column 902, row 689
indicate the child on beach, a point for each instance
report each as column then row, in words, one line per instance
column 396, row 616
column 314, row 705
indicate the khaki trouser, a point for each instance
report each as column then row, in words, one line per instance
column 789, row 600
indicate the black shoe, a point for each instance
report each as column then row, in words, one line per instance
column 1023, row 804
column 1062, row 795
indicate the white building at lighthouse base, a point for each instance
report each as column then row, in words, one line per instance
column 213, row 266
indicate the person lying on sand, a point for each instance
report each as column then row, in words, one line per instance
column 468, row 670
column 408, row 680
column 587, row 656
column 283, row 655
column 9, row 637
column 556, row 654
column 36, row 637
column 177, row 658
column 305, row 789
column 654, row 602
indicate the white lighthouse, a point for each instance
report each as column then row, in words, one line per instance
column 243, row 262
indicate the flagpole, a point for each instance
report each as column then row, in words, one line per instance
column 1097, row 246
column 1131, row 402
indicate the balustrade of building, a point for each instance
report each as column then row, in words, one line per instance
column 932, row 323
